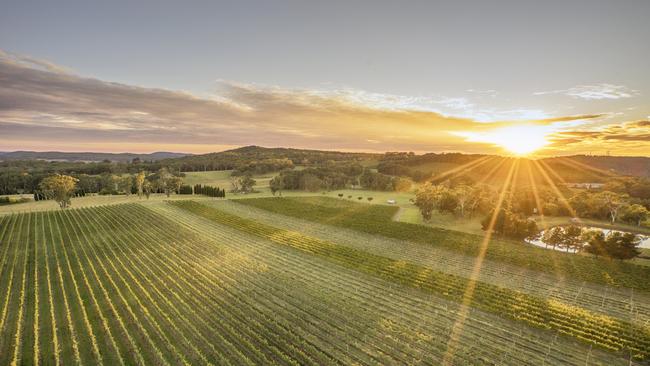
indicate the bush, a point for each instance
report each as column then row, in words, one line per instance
column 184, row 189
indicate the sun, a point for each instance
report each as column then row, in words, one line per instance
column 518, row 140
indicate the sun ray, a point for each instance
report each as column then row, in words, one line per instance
column 492, row 171
column 576, row 164
column 555, row 189
column 471, row 165
column 538, row 201
column 457, row 328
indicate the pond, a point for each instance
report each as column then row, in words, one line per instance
column 645, row 239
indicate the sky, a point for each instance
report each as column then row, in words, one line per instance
column 554, row 77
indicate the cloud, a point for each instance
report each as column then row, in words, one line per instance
column 594, row 92
column 633, row 131
column 42, row 104
column 488, row 93
column 31, row 62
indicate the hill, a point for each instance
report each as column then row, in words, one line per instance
column 231, row 159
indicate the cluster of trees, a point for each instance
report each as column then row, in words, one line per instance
column 234, row 159
column 382, row 182
column 333, row 176
column 209, row 191
column 462, row 200
column 329, row 176
column 263, row 166
column 458, row 198
column 614, row 244
column 608, row 205
column 509, row 224
column 25, row 176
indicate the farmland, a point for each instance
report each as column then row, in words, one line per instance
column 237, row 282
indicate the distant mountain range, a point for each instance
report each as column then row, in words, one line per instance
column 87, row 156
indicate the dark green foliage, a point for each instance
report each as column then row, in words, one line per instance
column 377, row 219
column 209, row 191
column 376, row 181
column 329, row 176
column 185, row 189
column 263, row 166
column 616, row 244
column 510, row 225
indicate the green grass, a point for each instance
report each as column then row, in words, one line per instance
column 603, row 331
column 222, row 179
column 377, row 219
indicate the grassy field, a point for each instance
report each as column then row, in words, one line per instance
column 222, row 179
column 220, row 282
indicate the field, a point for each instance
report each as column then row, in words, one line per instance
column 222, row 179
column 296, row 281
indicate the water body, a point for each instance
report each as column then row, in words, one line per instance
column 645, row 239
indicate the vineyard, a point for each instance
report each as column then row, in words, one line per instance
column 376, row 219
column 187, row 283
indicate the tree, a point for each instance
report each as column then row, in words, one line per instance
column 509, row 224
column 60, row 188
column 147, row 187
column 125, row 184
column 622, row 245
column 553, row 236
column 463, row 195
column 139, row 183
column 340, row 195
column 402, row 184
column 425, row 200
column 167, row 182
column 614, row 245
column 572, row 238
column 613, row 202
column 369, row 199
column 635, row 213
column 595, row 242
column 174, row 183
column 277, row 185
column 247, row 183
column 234, row 184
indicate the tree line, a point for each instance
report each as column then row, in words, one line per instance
column 614, row 244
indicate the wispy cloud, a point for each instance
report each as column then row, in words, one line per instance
column 594, row 92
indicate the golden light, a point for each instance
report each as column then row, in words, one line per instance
column 519, row 140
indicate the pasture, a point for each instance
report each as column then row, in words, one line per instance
column 262, row 281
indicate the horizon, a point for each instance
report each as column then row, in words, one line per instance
column 369, row 77
column 503, row 155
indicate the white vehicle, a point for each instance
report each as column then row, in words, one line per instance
column 391, row 202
